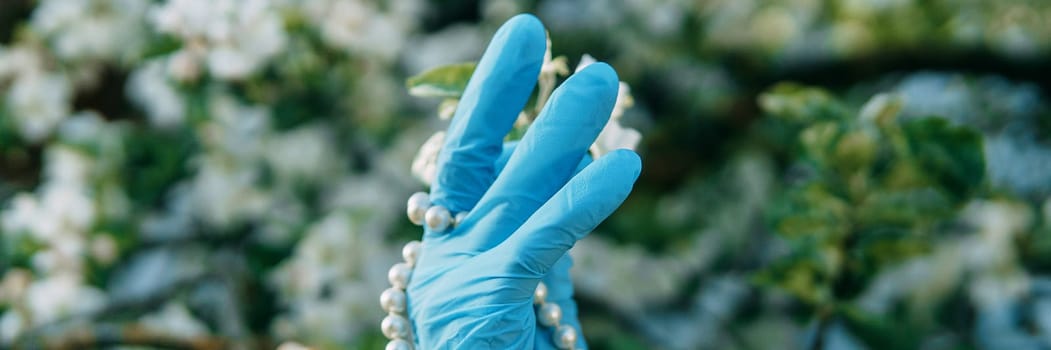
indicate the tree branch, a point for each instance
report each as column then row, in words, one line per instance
column 105, row 335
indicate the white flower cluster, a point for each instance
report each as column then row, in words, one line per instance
column 65, row 47
column 361, row 27
column 234, row 39
column 425, row 165
column 226, row 188
column 239, row 146
column 330, row 283
column 246, row 167
column 150, row 88
column 92, row 30
column 63, row 50
column 59, row 217
column 38, row 98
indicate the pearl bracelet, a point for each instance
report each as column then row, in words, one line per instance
column 437, row 218
column 550, row 314
column 396, row 325
column 394, row 301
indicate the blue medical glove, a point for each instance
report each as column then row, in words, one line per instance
column 473, row 285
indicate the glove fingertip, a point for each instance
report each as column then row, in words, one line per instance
column 603, row 74
column 528, row 29
column 620, row 168
column 629, row 160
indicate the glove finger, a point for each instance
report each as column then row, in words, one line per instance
column 496, row 93
column 546, row 156
column 586, row 200
column 509, row 148
column 558, row 281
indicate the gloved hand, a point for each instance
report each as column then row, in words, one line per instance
column 473, row 285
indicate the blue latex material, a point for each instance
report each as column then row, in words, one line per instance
column 528, row 202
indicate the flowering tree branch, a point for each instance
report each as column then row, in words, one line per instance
column 104, row 335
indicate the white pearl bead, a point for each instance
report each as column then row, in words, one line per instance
column 565, row 337
column 460, row 217
column 417, row 207
column 393, row 300
column 437, row 218
column 399, row 275
column 550, row 314
column 395, row 327
column 411, row 251
column 540, row 294
column 398, row 344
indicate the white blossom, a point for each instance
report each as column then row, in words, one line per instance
column 225, row 192
column 68, row 166
column 104, row 249
column 184, row 65
column 615, row 136
column 11, row 325
column 61, row 295
column 236, row 129
column 234, row 38
column 38, row 102
column 16, row 60
column 225, row 189
column 361, row 27
column 63, row 205
column 149, row 88
column 425, row 165
column 13, row 284
column 303, row 153
column 331, row 279
column 92, row 29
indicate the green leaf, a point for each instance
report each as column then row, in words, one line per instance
column 810, row 211
column 950, row 155
column 882, row 109
column 1036, row 249
column 161, row 45
column 17, row 249
column 818, row 140
column 904, row 207
column 445, row 81
column 855, row 151
column 878, row 248
column 801, row 104
column 156, row 160
column 801, row 274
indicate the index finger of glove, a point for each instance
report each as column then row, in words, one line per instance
column 495, row 94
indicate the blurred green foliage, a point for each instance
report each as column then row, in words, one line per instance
column 875, row 192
